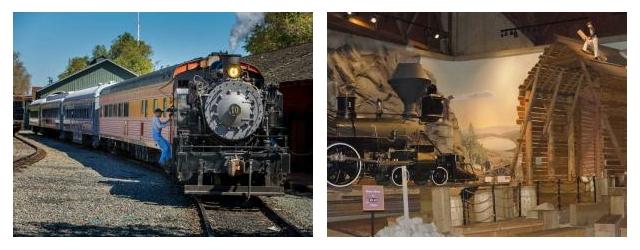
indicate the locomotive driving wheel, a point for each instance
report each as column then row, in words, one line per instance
column 440, row 176
column 396, row 176
column 343, row 165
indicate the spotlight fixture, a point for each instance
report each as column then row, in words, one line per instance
column 436, row 36
column 349, row 13
column 373, row 20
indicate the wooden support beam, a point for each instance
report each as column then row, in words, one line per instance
column 571, row 147
column 614, row 140
column 529, row 152
column 572, row 172
column 552, row 104
column 575, row 97
column 550, row 152
column 413, row 20
column 526, row 124
column 598, row 140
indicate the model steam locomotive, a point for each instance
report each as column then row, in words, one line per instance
column 379, row 144
column 226, row 137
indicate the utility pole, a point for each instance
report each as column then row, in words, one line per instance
column 138, row 39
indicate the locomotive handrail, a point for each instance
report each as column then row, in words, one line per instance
column 383, row 163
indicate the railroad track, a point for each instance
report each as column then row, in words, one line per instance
column 237, row 216
column 32, row 158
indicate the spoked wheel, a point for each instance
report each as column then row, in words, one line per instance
column 396, row 176
column 440, row 176
column 343, row 165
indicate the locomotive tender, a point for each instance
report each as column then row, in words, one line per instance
column 226, row 135
column 379, row 144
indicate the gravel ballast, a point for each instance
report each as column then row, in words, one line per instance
column 21, row 149
column 297, row 209
column 75, row 191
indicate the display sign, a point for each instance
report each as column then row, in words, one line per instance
column 372, row 198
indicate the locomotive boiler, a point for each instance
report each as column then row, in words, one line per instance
column 379, row 144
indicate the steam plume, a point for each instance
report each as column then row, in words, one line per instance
column 245, row 21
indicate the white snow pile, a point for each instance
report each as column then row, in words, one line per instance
column 406, row 227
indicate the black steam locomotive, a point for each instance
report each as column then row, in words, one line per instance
column 379, row 144
column 229, row 135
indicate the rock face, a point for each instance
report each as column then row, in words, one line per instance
column 406, row 227
column 366, row 75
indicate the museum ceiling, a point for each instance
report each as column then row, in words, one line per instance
column 429, row 30
column 541, row 27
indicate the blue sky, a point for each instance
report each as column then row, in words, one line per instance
column 47, row 40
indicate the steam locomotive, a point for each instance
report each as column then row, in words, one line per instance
column 380, row 144
column 226, row 136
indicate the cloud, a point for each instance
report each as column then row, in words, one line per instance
column 245, row 21
column 476, row 95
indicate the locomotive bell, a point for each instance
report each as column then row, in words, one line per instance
column 410, row 82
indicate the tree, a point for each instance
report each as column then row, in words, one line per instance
column 21, row 78
column 131, row 54
column 99, row 51
column 280, row 30
column 74, row 65
column 125, row 51
column 475, row 152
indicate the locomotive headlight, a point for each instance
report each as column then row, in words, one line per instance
column 233, row 71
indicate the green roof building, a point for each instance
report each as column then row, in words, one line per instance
column 99, row 71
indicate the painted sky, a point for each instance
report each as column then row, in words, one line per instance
column 47, row 40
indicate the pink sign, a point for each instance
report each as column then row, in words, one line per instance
column 372, row 198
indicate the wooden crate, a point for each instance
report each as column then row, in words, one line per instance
column 623, row 228
column 607, row 226
column 557, row 232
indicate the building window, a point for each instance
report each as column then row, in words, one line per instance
column 146, row 103
column 155, row 104
column 164, row 106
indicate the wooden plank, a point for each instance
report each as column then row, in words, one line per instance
column 607, row 226
column 614, row 140
column 552, row 103
column 571, row 141
column 550, row 153
column 557, row 232
column 529, row 154
column 597, row 148
column 525, row 125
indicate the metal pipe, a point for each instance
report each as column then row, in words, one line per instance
column 250, row 175
column 578, row 189
column 519, row 199
column 595, row 191
column 493, row 198
column 405, row 192
column 373, row 219
column 537, row 193
column 464, row 206
column 558, row 195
